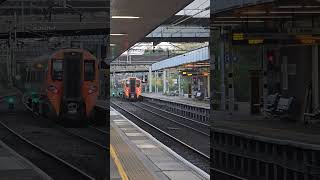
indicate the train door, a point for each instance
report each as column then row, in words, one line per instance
column 72, row 74
column 72, row 79
column 132, row 85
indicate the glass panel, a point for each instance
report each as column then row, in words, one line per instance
column 57, row 71
column 89, row 70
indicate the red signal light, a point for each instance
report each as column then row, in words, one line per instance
column 270, row 57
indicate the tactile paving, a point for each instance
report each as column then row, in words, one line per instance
column 132, row 165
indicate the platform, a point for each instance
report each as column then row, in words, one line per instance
column 15, row 167
column 270, row 130
column 138, row 155
column 179, row 99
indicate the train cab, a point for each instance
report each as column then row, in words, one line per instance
column 132, row 88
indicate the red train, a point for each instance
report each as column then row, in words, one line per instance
column 132, row 88
column 72, row 84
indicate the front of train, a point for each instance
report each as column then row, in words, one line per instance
column 72, row 84
column 132, row 89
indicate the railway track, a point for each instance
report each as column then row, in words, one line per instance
column 66, row 153
column 197, row 156
column 59, row 168
column 99, row 130
column 98, row 141
column 199, row 127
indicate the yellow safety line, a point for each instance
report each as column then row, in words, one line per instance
column 118, row 164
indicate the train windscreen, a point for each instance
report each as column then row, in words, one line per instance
column 89, row 72
column 132, row 85
column 57, row 70
column 72, row 74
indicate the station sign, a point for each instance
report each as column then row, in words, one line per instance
column 255, row 41
column 223, row 5
column 238, row 36
column 249, row 39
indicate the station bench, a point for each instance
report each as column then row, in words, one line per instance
column 279, row 107
column 271, row 103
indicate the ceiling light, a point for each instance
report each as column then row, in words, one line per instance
column 125, row 17
column 249, row 21
column 290, row 7
column 118, row 34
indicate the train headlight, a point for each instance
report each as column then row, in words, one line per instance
column 92, row 89
column 10, row 100
column 53, row 89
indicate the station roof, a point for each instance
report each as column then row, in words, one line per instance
column 133, row 20
column 47, row 18
column 282, row 22
column 233, row 13
column 198, row 55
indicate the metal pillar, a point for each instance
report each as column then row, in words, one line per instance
column 168, row 87
column 265, row 78
column 315, row 76
column 208, row 85
column 156, row 84
column 222, row 58
column 150, row 79
column 157, row 81
column 179, row 84
column 164, row 81
column 144, row 80
column 199, row 83
column 231, row 91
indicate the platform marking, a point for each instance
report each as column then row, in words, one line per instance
column 116, row 160
column 192, row 167
column 134, row 134
column 128, row 129
column 119, row 120
column 146, row 146
column 113, row 113
column 123, row 122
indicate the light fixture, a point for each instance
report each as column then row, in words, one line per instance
column 125, row 17
column 249, row 21
column 118, row 34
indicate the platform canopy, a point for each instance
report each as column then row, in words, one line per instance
column 198, row 55
column 133, row 20
column 252, row 22
column 48, row 18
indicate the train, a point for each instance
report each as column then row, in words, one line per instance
column 132, row 88
column 71, row 85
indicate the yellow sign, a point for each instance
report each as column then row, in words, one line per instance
column 255, row 41
column 308, row 41
column 238, row 36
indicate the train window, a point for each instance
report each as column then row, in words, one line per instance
column 89, row 70
column 57, row 71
